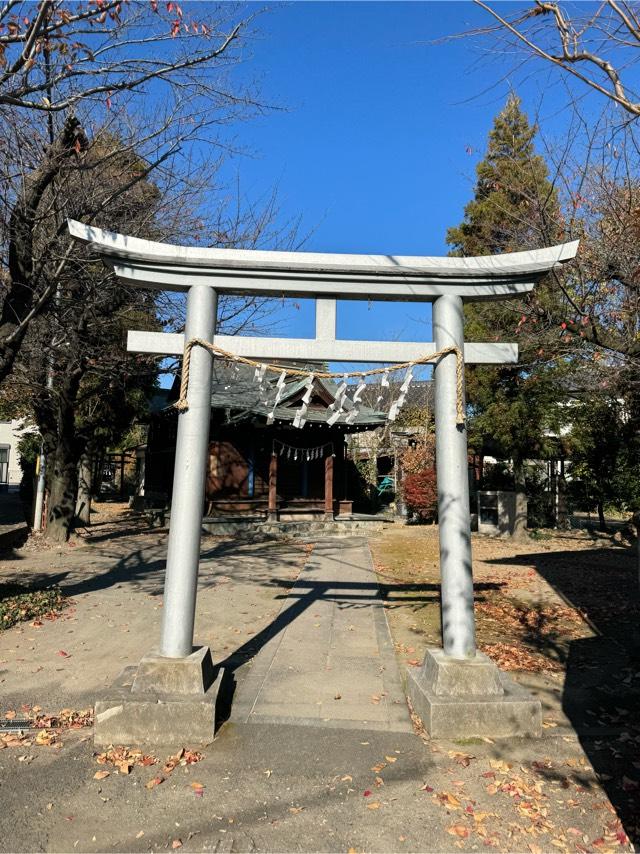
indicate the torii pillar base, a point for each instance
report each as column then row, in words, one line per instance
column 466, row 698
column 163, row 701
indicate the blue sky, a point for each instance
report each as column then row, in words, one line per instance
column 380, row 131
column 382, row 122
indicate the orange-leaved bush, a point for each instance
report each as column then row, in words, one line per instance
column 421, row 493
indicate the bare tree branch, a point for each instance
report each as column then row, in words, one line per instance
column 611, row 22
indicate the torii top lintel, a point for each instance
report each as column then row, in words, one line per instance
column 163, row 266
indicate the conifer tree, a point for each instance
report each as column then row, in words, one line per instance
column 515, row 207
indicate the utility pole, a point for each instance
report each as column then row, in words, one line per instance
column 42, row 463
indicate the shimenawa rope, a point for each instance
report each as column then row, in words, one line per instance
column 182, row 403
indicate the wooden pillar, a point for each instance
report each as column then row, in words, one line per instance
column 273, row 488
column 345, row 471
column 328, row 486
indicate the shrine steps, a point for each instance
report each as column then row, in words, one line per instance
column 299, row 528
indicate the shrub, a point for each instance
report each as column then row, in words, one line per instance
column 421, row 493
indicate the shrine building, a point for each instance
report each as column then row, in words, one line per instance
column 260, row 465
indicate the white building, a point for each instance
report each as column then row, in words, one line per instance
column 10, row 471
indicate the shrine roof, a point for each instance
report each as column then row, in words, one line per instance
column 149, row 264
column 239, row 392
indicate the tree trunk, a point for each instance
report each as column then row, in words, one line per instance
column 85, row 487
column 602, row 525
column 63, row 490
column 22, row 291
column 520, row 519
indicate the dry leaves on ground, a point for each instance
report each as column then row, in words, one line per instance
column 510, row 657
column 125, row 759
column 48, row 726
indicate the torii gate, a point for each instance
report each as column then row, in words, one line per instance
column 448, row 677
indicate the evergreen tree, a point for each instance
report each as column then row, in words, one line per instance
column 514, row 207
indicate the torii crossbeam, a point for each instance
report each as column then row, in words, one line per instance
column 445, row 282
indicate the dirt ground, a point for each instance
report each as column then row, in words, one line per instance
column 560, row 612
column 113, row 574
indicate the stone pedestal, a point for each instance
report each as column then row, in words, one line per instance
column 345, row 508
column 163, row 701
column 460, row 698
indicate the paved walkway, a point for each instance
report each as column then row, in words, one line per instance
column 330, row 659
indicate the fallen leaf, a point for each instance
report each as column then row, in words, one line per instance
column 463, row 759
column 458, row 830
column 100, row 775
column 153, row 783
column 391, row 758
column 346, row 779
column 366, row 793
column 375, row 805
column 63, row 653
column 177, row 843
column 140, row 834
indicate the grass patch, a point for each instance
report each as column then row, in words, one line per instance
column 18, row 604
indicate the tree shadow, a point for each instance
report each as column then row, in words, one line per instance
column 601, row 692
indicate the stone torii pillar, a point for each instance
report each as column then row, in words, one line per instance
column 456, row 596
column 183, row 550
column 170, row 696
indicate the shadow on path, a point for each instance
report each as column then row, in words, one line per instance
column 305, row 594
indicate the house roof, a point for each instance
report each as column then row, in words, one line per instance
column 234, row 388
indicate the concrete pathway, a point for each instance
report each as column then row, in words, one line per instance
column 329, row 660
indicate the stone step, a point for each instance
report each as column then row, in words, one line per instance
column 294, row 529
